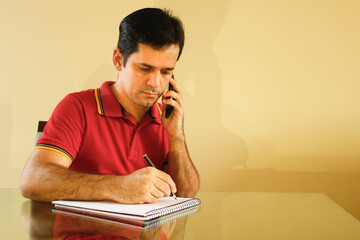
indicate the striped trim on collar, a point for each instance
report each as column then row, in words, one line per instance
column 99, row 102
column 105, row 99
column 158, row 107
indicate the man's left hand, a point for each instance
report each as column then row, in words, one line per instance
column 174, row 124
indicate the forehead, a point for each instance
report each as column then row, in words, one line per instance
column 160, row 57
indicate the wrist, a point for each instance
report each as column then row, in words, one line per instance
column 110, row 188
column 177, row 144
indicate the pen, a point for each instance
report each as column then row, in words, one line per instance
column 152, row 165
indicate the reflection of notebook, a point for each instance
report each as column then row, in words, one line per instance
column 116, row 211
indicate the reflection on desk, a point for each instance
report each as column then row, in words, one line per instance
column 223, row 215
column 51, row 223
column 71, row 226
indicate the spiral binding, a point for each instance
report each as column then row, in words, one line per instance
column 174, row 208
column 168, row 218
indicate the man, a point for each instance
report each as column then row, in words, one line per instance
column 93, row 145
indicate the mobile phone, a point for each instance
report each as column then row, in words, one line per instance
column 169, row 108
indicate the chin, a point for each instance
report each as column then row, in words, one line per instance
column 145, row 101
column 146, row 104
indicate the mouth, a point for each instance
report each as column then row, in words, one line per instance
column 150, row 94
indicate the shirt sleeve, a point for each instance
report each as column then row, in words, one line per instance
column 64, row 130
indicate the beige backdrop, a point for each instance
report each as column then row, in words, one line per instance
column 271, row 87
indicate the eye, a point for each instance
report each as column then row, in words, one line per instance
column 166, row 72
column 145, row 69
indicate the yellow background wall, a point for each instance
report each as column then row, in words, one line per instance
column 271, row 88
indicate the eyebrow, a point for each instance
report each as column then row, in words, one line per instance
column 150, row 66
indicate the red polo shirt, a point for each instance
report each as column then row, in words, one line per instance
column 97, row 135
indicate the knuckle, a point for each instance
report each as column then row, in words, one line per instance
column 148, row 184
column 145, row 197
column 160, row 194
column 148, row 170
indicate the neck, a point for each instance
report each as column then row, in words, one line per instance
column 137, row 112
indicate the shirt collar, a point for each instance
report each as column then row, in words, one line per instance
column 109, row 106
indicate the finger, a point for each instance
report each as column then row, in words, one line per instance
column 163, row 187
column 151, row 198
column 167, row 179
column 159, row 182
column 175, row 85
column 173, row 96
column 173, row 103
column 156, row 192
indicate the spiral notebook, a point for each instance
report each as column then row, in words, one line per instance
column 142, row 212
column 127, row 223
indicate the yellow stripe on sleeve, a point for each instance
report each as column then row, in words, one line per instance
column 56, row 150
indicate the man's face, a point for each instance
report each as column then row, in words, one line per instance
column 147, row 73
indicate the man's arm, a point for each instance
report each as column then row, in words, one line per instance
column 46, row 177
column 180, row 168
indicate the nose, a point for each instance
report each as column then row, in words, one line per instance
column 154, row 79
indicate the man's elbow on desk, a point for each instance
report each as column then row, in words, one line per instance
column 38, row 180
column 31, row 183
column 194, row 185
column 28, row 186
column 189, row 190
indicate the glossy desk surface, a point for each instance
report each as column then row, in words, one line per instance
column 222, row 215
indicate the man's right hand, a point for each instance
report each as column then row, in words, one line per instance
column 143, row 186
column 47, row 177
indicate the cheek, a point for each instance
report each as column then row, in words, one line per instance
column 165, row 85
column 133, row 81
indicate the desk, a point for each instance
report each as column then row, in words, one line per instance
column 223, row 215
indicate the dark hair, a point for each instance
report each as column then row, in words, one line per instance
column 152, row 26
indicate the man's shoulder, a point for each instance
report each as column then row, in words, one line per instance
column 77, row 100
column 83, row 93
column 82, row 96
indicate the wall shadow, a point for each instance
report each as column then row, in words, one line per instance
column 101, row 74
column 214, row 149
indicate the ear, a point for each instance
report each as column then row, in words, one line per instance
column 117, row 59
